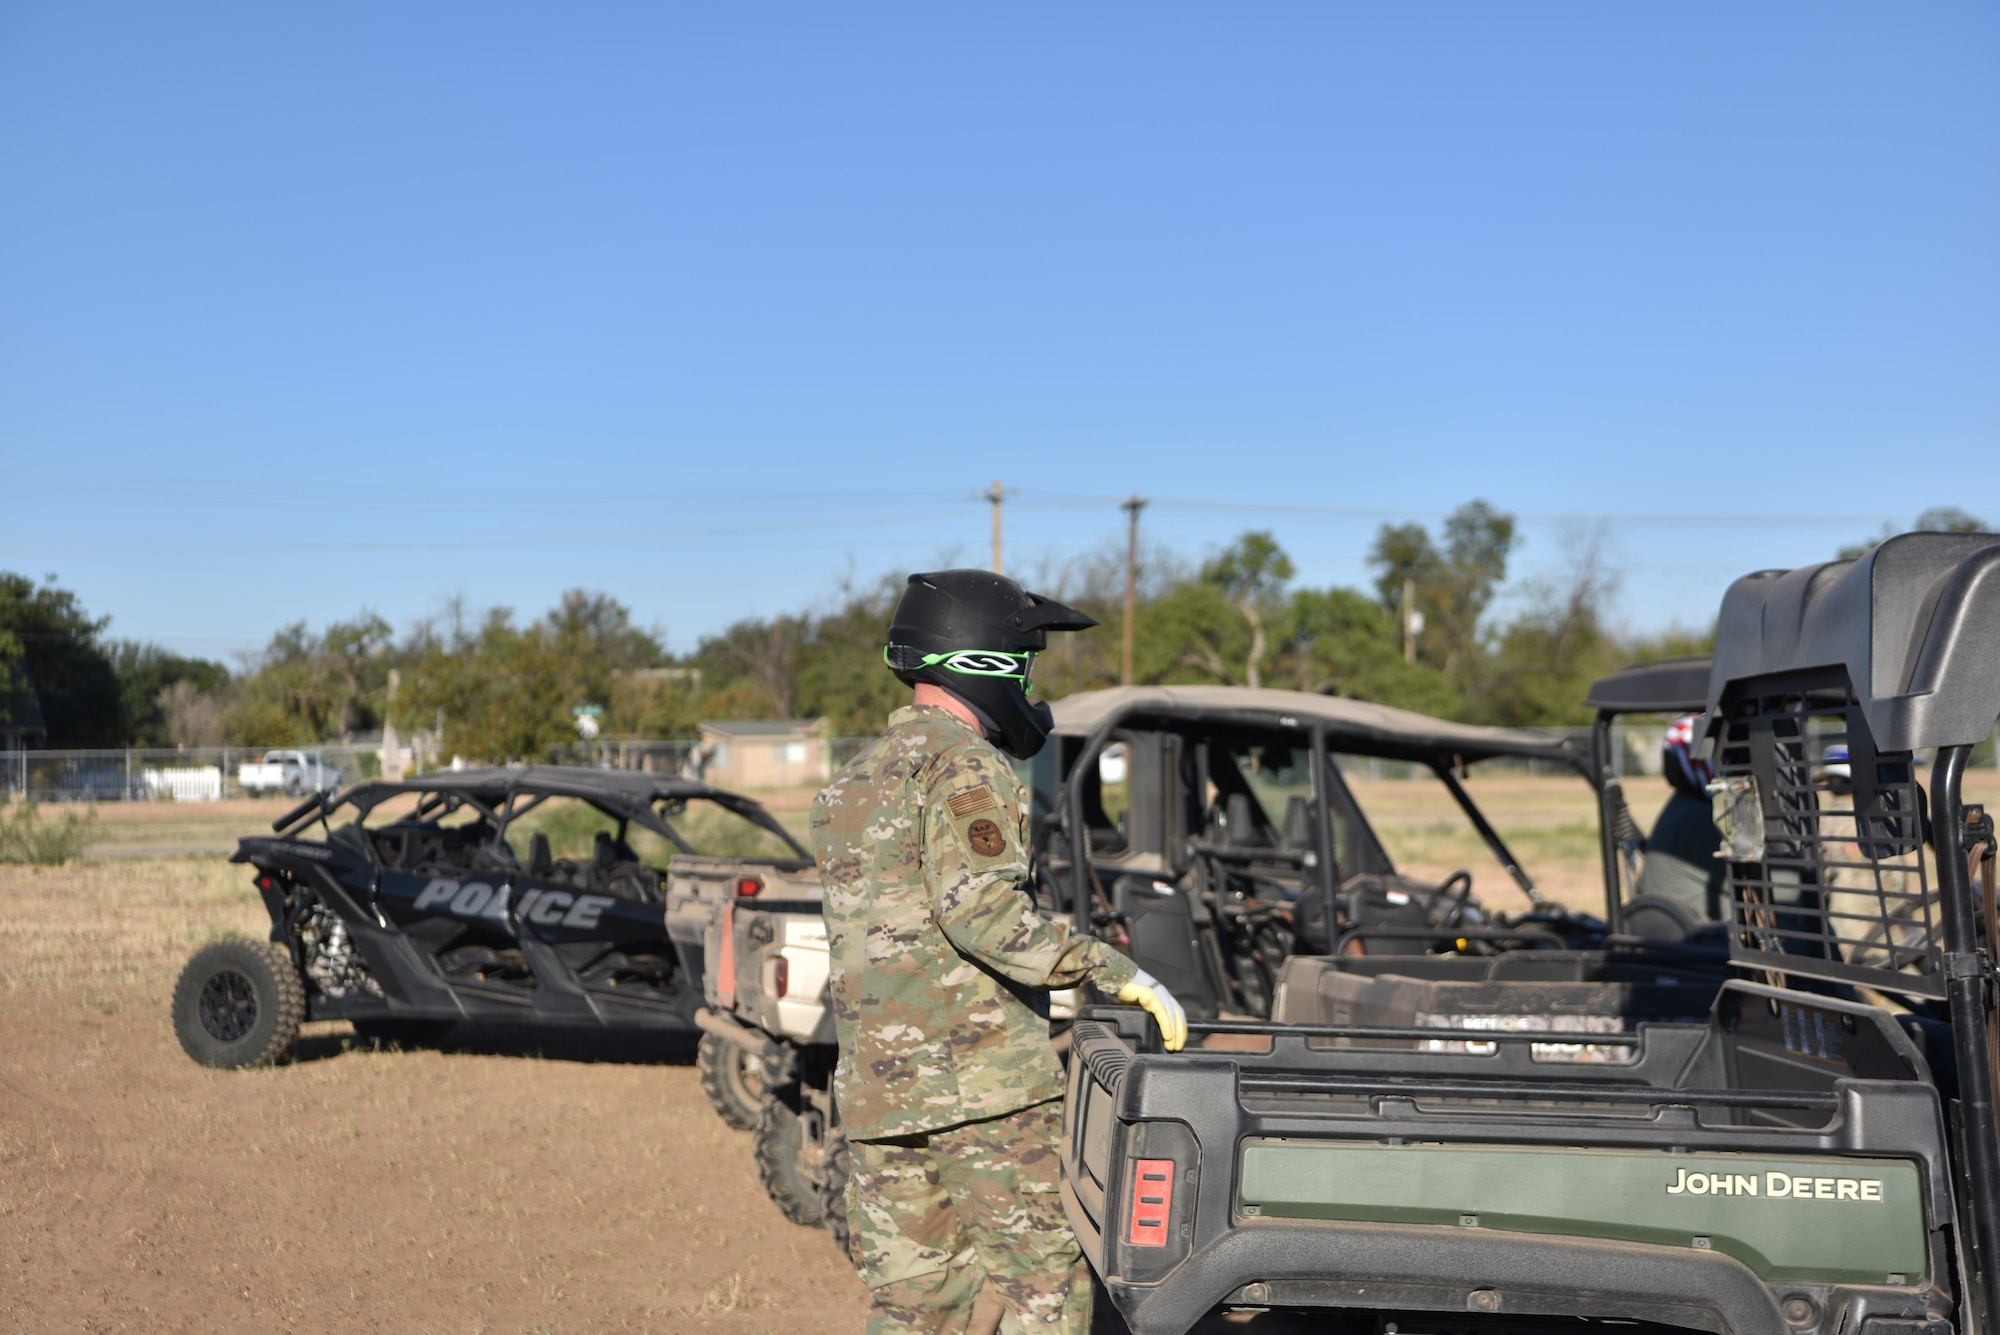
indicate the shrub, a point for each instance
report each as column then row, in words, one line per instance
column 26, row 837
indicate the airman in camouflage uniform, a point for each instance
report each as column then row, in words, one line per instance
column 947, row 1083
column 947, row 1086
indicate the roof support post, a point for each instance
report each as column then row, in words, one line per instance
column 1607, row 833
column 1969, row 995
column 1488, row 833
column 1322, row 816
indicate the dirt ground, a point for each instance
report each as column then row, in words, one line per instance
column 509, row 1182
column 512, row 1182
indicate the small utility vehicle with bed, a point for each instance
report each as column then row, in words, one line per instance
column 1518, row 1126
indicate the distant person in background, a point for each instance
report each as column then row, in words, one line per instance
column 1680, row 852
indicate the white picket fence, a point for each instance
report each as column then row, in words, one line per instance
column 194, row 783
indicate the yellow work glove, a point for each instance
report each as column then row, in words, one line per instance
column 1144, row 990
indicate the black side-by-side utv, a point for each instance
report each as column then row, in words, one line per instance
column 541, row 894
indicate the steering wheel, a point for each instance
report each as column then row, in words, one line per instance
column 1462, row 880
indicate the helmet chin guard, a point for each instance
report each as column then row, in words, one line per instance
column 975, row 634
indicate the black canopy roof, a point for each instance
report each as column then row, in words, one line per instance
column 1665, row 686
column 1916, row 624
column 616, row 789
column 1357, row 726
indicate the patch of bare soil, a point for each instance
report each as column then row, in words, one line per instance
column 511, row 1182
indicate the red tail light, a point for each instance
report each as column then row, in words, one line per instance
column 263, row 883
column 725, row 968
column 748, row 886
column 781, row 977
column 1152, row 1202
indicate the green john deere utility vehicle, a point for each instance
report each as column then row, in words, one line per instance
column 1780, row 1125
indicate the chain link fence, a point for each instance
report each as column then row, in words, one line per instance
column 195, row 774
column 187, row 774
column 208, row 774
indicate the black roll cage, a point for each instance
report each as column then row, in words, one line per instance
column 628, row 798
column 1444, row 758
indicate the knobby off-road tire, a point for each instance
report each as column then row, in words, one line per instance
column 239, row 1003
column 781, row 1147
column 833, row 1191
column 732, row 1078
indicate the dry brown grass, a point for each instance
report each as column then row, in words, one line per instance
column 1549, row 821
column 104, row 932
column 178, row 829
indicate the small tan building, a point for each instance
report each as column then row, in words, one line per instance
column 764, row 753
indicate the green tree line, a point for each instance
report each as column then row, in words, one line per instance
column 498, row 687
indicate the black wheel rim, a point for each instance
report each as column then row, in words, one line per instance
column 812, row 1149
column 749, row 1076
column 228, row 1006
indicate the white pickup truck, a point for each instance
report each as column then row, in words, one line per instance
column 294, row 773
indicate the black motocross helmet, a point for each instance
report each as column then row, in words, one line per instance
column 976, row 634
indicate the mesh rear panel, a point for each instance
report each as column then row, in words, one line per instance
column 1843, row 892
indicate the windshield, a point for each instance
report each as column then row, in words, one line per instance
column 1264, row 796
column 1546, row 817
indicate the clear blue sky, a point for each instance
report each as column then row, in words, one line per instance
column 310, row 308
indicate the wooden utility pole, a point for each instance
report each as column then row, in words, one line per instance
column 1132, row 508
column 1409, row 621
column 996, row 494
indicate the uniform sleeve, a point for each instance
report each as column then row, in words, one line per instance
column 976, row 868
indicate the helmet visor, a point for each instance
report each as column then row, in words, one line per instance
column 966, row 662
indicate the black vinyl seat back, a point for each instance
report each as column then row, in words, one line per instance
column 1240, row 825
column 1159, row 919
column 1297, row 835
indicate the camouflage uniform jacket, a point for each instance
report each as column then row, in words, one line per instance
column 935, row 944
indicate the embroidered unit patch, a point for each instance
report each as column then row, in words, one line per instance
column 985, row 838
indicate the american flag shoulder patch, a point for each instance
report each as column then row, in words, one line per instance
column 971, row 800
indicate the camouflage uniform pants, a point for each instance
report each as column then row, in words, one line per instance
column 934, row 1217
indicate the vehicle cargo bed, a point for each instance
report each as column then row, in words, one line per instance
column 1777, row 1167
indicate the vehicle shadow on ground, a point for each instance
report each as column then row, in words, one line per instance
column 1105, row 1320
column 539, row 1042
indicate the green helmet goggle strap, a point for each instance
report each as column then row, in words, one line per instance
column 971, row 662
